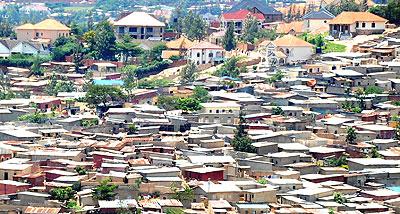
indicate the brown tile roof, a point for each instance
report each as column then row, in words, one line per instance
column 291, row 41
column 181, row 43
column 285, row 28
column 42, row 210
column 353, row 17
column 206, row 45
column 48, row 24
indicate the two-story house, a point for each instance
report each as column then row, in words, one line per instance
column 348, row 24
column 139, row 25
column 206, row 53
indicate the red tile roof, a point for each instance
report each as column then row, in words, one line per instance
column 42, row 210
column 242, row 15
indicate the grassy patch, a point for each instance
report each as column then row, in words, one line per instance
column 333, row 47
column 76, row 9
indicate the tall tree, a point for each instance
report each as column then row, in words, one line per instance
column 5, row 92
column 189, row 73
column 351, row 135
column 343, row 5
column 104, row 41
column 241, row 142
column 194, row 26
column 178, row 17
column 228, row 41
column 127, row 48
column 101, row 94
column 130, row 79
column 201, row 94
column 105, row 191
column 391, row 11
column 250, row 29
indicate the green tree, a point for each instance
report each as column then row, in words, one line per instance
column 36, row 117
column 343, row 5
column 132, row 129
column 78, row 54
column 184, row 194
column 262, row 181
column 228, row 41
column 36, row 67
column 391, row 11
column 351, row 135
column 64, row 46
column 89, row 39
column 229, row 68
column 335, row 162
column 104, row 41
column 102, row 94
column 250, row 29
column 339, row 198
column 167, row 102
column 268, row 34
column 55, row 86
column 126, row 48
column 373, row 90
column 76, row 29
column 277, row 111
column 201, row 94
column 188, row 104
column 360, row 96
column 80, row 170
column 129, row 78
column 105, row 191
column 194, row 26
column 189, row 73
column 374, row 153
column 5, row 92
column 397, row 131
column 178, row 16
column 278, row 76
column 62, row 194
column 153, row 55
column 241, row 142
column 174, row 210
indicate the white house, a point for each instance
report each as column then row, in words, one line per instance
column 8, row 47
column 139, row 25
column 348, row 24
column 206, row 53
column 317, row 21
column 294, row 48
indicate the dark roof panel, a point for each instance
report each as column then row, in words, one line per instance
column 261, row 5
column 321, row 14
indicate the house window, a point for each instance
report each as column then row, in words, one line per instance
column 121, row 30
column 161, row 30
column 149, row 30
column 5, row 175
column 357, row 25
column 198, row 54
column 363, row 25
column 37, row 34
column 217, row 111
column 210, row 111
column 210, row 55
column 373, row 25
column 132, row 29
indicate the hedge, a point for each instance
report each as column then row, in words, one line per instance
column 152, row 69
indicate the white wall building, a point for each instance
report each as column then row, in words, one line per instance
column 206, row 53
